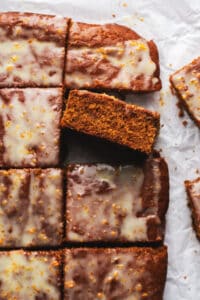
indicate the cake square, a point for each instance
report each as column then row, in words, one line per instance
column 117, row 203
column 32, row 49
column 118, row 273
column 107, row 117
column 186, row 85
column 110, row 56
column 193, row 192
column 30, row 127
column 31, row 207
column 30, row 275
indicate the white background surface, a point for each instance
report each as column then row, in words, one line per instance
column 175, row 27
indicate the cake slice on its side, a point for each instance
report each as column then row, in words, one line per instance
column 186, row 83
column 118, row 273
column 31, row 207
column 109, row 203
column 30, row 275
column 110, row 56
column 30, row 127
column 193, row 192
column 107, row 117
column 32, row 49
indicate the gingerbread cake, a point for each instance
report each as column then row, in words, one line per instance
column 117, row 203
column 31, row 207
column 120, row 273
column 110, row 56
column 32, row 49
column 107, row 117
column 30, row 275
column 30, row 127
column 193, row 192
column 186, row 84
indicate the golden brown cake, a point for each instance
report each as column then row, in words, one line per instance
column 107, row 117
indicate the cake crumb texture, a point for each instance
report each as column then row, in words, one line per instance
column 109, row 118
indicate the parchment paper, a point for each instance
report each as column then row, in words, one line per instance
column 175, row 27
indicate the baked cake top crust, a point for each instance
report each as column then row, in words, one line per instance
column 112, row 57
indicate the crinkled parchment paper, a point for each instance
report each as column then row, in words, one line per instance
column 175, row 27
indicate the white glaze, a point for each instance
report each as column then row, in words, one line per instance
column 23, row 278
column 13, row 54
column 22, row 58
column 27, row 230
column 127, row 272
column 29, row 124
column 156, row 182
column 95, row 212
column 132, row 58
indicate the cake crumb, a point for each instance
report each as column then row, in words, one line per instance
column 124, row 4
column 113, row 15
column 185, row 123
column 180, row 108
column 161, row 100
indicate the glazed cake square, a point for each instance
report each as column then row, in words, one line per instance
column 30, row 127
column 186, row 85
column 30, row 275
column 31, row 207
column 193, row 192
column 117, row 273
column 110, row 56
column 117, row 203
column 32, row 49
